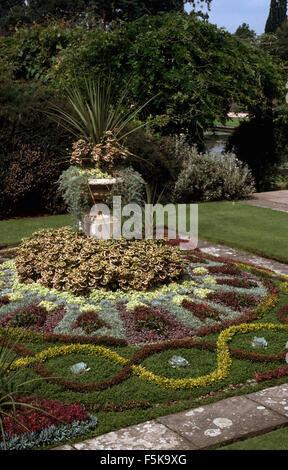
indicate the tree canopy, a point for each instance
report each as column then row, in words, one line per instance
column 194, row 70
column 277, row 15
column 244, row 32
column 282, row 41
column 15, row 12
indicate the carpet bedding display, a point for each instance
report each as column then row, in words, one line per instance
column 209, row 315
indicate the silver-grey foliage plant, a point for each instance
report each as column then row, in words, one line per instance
column 210, row 176
column 131, row 187
column 75, row 192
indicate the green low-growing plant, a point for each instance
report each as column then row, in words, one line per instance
column 71, row 261
column 210, row 176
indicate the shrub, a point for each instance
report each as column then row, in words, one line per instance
column 30, row 183
column 71, row 261
column 33, row 317
column 234, row 299
column 254, row 142
column 210, row 176
column 281, row 132
column 154, row 158
column 29, row 316
column 33, row 51
column 261, row 142
column 30, row 162
column 202, row 310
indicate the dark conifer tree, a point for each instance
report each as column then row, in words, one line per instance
column 244, row 32
column 277, row 15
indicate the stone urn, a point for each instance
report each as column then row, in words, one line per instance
column 101, row 188
column 95, row 223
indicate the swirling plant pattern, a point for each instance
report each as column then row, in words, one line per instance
column 215, row 296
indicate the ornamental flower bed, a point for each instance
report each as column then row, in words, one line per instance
column 33, row 317
column 202, row 310
column 234, row 299
column 127, row 337
column 174, row 308
column 71, row 261
column 148, row 325
column 90, row 322
column 27, row 427
column 242, row 283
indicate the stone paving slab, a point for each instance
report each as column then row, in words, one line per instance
column 276, row 200
column 275, row 398
column 274, row 196
column 275, row 206
column 208, row 427
column 242, row 256
column 147, row 436
column 223, row 422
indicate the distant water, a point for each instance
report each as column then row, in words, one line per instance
column 216, row 142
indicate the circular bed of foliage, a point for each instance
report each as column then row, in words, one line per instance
column 71, row 261
column 127, row 339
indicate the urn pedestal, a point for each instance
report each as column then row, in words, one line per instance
column 96, row 223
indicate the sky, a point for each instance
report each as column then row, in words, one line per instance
column 232, row 13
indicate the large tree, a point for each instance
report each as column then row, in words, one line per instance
column 29, row 11
column 277, row 15
column 244, row 32
column 193, row 70
column 11, row 11
column 282, row 41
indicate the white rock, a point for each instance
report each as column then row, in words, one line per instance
column 212, row 432
column 223, row 422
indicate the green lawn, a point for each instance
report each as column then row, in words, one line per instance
column 253, row 229
column 232, row 122
column 11, row 231
column 250, row 228
column 275, row 440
